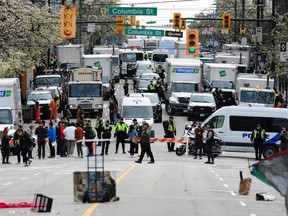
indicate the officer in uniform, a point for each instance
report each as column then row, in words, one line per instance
column 161, row 72
column 171, row 133
column 121, row 132
column 258, row 137
column 125, row 87
column 98, row 127
column 106, row 134
column 151, row 87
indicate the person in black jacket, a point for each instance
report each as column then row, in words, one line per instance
column 106, row 134
column 25, row 143
column 41, row 132
column 5, row 146
column 89, row 134
column 209, row 143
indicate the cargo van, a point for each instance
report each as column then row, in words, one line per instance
column 234, row 125
column 138, row 107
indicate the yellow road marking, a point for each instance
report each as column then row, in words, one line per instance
column 95, row 205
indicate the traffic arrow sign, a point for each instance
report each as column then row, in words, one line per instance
column 173, row 34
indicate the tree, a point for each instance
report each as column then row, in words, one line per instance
column 27, row 34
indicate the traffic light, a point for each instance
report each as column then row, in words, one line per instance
column 183, row 24
column 242, row 29
column 68, row 22
column 192, row 42
column 226, row 21
column 120, row 21
column 132, row 20
column 137, row 24
column 176, row 20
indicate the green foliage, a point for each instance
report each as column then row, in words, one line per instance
column 27, row 33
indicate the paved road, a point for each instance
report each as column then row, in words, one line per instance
column 172, row 186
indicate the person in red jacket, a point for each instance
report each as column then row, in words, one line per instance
column 79, row 134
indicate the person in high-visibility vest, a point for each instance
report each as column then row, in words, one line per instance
column 151, row 87
column 125, row 87
column 54, row 105
column 258, row 137
column 98, row 128
column 106, row 134
column 121, row 132
column 171, row 133
column 160, row 70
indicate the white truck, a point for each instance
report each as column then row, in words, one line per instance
column 86, row 91
column 135, row 43
column 128, row 59
column 252, row 90
column 150, row 44
column 70, row 54
column 159, row 57
column 222, row 77
column 53, row 82
column 180, row 50
column 183, row 77
column 238, row 60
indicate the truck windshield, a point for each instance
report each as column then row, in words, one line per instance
column 257, row 97
column 47, row 81
column 223, row 84
column 85, row 90
column 6, row 116
column 159, row 57
column 137, row 112
column 184, row 87
column 129, row 57
column 115, row 61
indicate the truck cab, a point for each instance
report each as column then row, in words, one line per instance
column 49, row 82
column 128, row 59
column 159, row 58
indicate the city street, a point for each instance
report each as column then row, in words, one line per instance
column 172, row 186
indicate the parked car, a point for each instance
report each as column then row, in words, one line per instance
column 142, row 86
column 156, row 104
column 44, row 98
column 149, row 76
column 138, row 74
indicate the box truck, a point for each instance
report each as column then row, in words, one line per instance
column 70, row 54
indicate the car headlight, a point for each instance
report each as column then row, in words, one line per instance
column 99, row 106
column 173, row 100
column 115, row 71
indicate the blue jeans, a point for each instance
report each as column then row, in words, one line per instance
column 62, row 143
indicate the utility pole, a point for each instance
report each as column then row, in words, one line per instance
column 235, row 22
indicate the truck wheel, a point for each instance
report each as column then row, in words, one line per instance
column 169, row 109
column 269, row 151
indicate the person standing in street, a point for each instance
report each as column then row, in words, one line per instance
column 54, row 105
column 98, row 127
column 52, row 139
column 79, row 135
column 41, row 133
column 31, row 133
column 151, row 87
column 25, row 143
column 89, row 134
column 137, row 128
column 37, row 112
column 126, row 87
column 171, row 133
column 209, row 144
column 69, row 133
column 5, row 146
column 258, row 137
column 284, row 139
column 17, row 144
column 133, row 133
column 107, row 130
column 67, row 113
column 121, row 132
column 146, row 144
column 62, row 140
column 198, row 140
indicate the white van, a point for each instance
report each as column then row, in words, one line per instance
column 139, row 108
column 234, row 125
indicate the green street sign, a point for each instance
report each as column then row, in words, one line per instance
column 132, row 11
column 145, row 32
column 151, row 22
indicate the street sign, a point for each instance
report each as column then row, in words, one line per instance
column 145, row 32
column 151, row 22
column 284, row 52
column 257, row 34
column 132, row 11
column 173, row 34
column 91, row 27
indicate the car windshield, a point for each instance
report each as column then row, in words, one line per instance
column 115, row 61
column 6, row 116
column 40, row 96
column 137, row 112
column 143, row 66
column 202, row 98
column 143, row 84
column 159, row 57
column 139, row 72
column 153, row 98
column 223, row 84
column 149, row 76
column 129, row 57
column 105, row 79
column 184, row 87
column 85, row 90
column 47, row 81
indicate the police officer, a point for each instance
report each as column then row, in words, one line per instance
column 161, row 72
column 151, row 87
column 121, row 132
column 258, row 137
column 106, row 134
column 171, row 133
column 209, row 144
column 125, row 87
column 98, row 127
